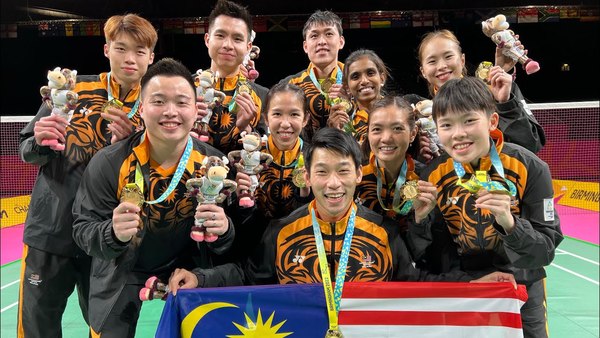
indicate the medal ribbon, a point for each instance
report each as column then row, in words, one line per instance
column 139, row 180
column 313, row 78
column 481, row 180
column 231, row 105
column 111, row 97
column 398, row 206
column 333, row 297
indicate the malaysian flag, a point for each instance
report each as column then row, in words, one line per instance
column 382, row 309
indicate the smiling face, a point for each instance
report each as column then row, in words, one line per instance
column 466, row 135
column 441, row 60
column 322, row 44
column 227, row 42
column 129, row 60
column 285, row 119
column 389, row 136
column 333, row 178
column 168, row 109
column 364, row 81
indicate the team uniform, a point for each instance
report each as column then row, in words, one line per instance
column 224, row 135
column 318, row 106
column 119, row 270
column 360, row 122
column 287, row 253
column 481, row 245
column 52, row 264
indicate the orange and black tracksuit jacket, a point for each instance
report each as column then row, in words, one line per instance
column 224, row 135
column 366, row 191
column 287, row 253
column 318, row 106
column 277, row 196
column 49, row 220
column 164, row 242
column 481, row 244
column 361, row 125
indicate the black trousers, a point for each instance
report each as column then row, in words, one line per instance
column 534, row 313
column 47, row 281
column 123, row 317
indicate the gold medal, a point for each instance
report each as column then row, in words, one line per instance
column 133, row 194
column 483, row 71
column 326, row 85
column 346, row 105
column 333, row 334
column 244, row 88
column 409, row 191
column 298, row 177
column 112, row 103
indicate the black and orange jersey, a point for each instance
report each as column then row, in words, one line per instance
column 49, row 220
column 360, row 122
column 287, row 253
column 164, row 242
column 276, row 195
column 482, row 244
column 318, row 106
column 224, row 135
column 366, row 191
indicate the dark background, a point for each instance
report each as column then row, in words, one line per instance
column 26, row 59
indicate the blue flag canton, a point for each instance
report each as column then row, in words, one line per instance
column 256, row 311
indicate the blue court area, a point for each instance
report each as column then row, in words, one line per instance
column 572, row 286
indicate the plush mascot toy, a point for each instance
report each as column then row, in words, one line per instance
column 496, row 28
column 154, row 289
column 252, row 55
column 251, row 161
column 211, row 188
column 60, row 97
column 427, row 125
column 205, row 81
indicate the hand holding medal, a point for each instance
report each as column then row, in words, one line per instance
column 126, row 219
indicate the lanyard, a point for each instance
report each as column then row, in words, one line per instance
column 333, row 297
column 396, row 203
column 139, row 180
column 313, row 78
column 111, row 97
column 480, row 179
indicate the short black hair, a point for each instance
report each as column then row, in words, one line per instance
column 231, row 9
column 326, row 18
column 334, row 140
column 167, row 67
column 463, row 95
column 282, row 87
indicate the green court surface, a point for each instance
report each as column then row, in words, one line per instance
column 572, row 287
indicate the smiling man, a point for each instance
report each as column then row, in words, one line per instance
column 52, row 264
column 130, row 241
column 228, row 41
column 323, row 39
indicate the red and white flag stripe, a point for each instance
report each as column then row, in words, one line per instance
column 423, row 309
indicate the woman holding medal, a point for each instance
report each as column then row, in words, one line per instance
column 281, row 187
column 441, row 59
column 390, row 184
column 364, row 77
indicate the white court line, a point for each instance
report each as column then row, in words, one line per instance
column 9, row 284
column 8, row 307
column 575, row 274
column 576, row 256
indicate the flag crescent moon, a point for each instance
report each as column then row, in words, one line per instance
column 190, row 321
